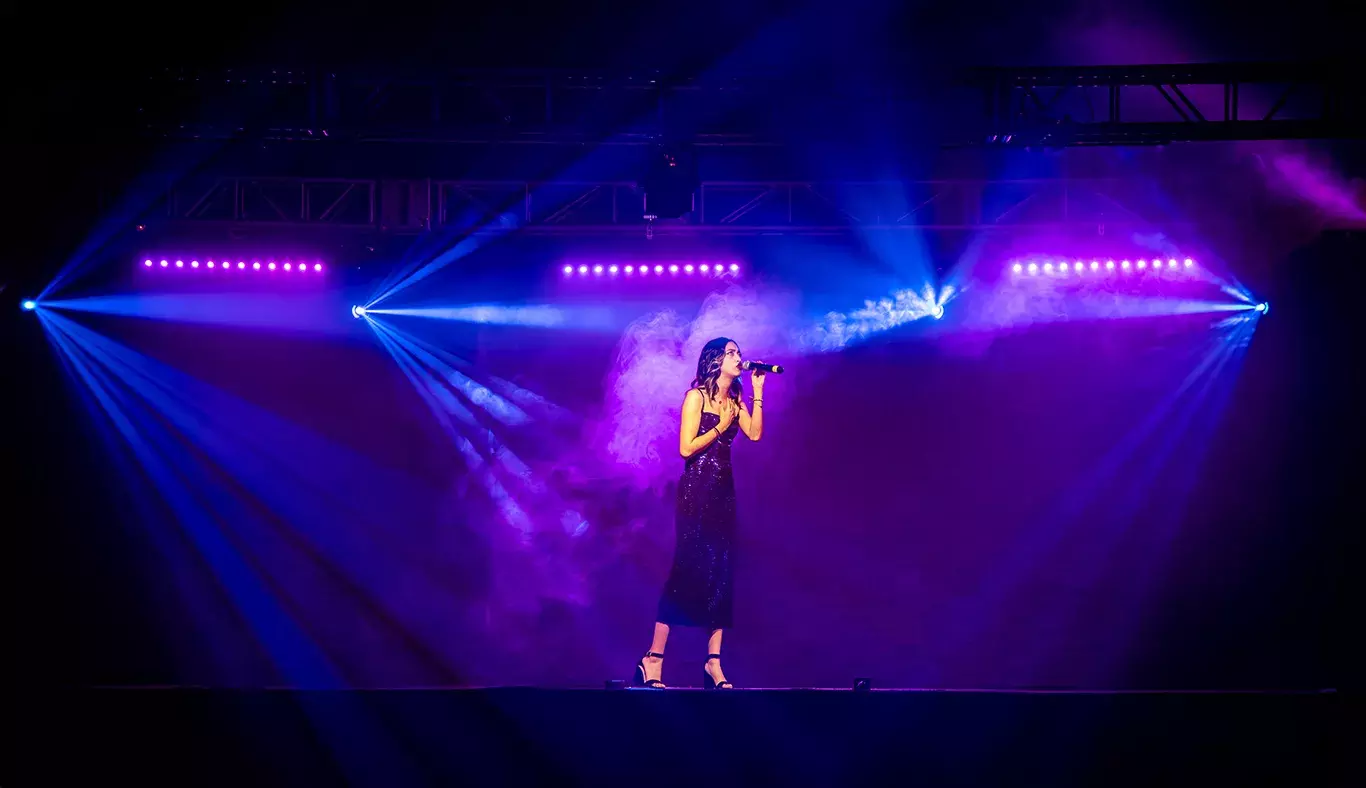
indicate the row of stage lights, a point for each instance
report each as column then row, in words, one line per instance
column 241, row 265
column 717, row 269
column 1109, row 266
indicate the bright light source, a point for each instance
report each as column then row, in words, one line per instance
column 1263, row 307
column 938, row 311
column 29, row 306
column 357, row 311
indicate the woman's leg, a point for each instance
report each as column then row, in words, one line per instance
column 714, row 665
column 654, row 666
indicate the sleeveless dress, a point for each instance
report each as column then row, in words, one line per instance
column 699, row 590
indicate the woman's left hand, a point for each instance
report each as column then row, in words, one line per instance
column 756, row 378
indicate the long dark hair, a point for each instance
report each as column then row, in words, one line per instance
column 709, row 371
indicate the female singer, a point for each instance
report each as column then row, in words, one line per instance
column 698, row 591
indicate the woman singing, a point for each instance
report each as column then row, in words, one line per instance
column 699, row 589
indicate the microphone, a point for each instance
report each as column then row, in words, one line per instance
column 776, row 369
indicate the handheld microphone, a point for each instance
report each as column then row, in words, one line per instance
column 776, row 369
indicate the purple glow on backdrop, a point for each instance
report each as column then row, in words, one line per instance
column 1339, row 200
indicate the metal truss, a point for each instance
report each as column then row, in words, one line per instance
column 1151, row 105
column 1055, row 106
column 474, row 106
column 723, row 207
column 283, row 201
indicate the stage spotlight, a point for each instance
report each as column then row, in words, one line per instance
column 938, row 311
column 612, row 269
column 1263, row 307
column 1017, row 268
column 358, row 311
column 734, row 268
column 28, row 305
column 1189, row 262
column 568, row 269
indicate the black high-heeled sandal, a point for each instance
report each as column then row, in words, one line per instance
column 712, row 683
column 640, row 680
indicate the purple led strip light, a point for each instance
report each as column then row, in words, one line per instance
column 1106, row 266
column 645, row 271
column 239, row 265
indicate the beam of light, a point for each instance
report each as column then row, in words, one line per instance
column 475, row 394
column 537, row 316
column 408, row 274
column 1190, row 438
column 163, row 462
column 150, row 186
column 304, row 312
column 1013, row 307
column 839, row 329
column 1174, row 412
column 166, row 464
column 277, row 489
column 512, row 400
column 1205, row 393
column 443, row 404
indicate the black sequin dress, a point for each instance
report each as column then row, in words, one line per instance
column 698, row 592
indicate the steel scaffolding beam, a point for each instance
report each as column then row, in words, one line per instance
column 723, row 207
column 1055, row 106
column 1159, row 104
column 470, row 106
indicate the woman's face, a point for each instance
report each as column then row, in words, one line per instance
column 730, row 363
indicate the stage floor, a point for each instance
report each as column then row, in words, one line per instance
column 502, row 736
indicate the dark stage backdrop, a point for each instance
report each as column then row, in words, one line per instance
column 928, row 508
